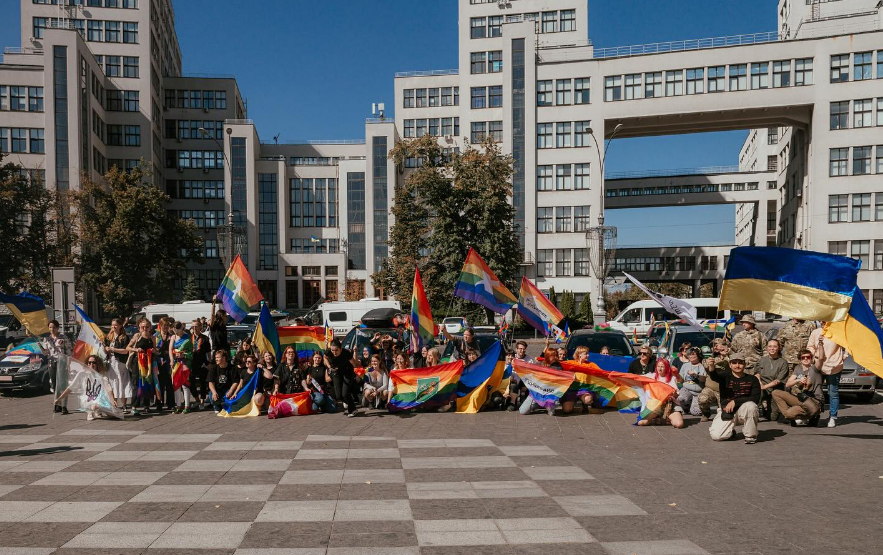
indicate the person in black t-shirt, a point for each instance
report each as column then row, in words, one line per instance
column 341, row 363
column 221, row 378
column 740, row 395
column 288, row 377
column 264, row 380
column 218, row 328
column 317, row 380
column 201, row 358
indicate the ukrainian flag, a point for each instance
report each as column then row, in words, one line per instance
column 860, row 334
column 30, row 311
column 800, row 284
column 479, row 379
column 243, row 403
column 266, row 336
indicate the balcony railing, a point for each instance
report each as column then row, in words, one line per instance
column 684, row 45
column 428, row 73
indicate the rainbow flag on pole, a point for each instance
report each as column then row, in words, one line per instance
column 90, row 341
column 422, row 327
column 430, row 387
column 305, row 339
column 478, row 284
column 536, row 309
column 545, row 385
column 238, row 292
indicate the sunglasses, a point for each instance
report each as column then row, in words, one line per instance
column 806, row 357
column 92, row 363
column 645, row 354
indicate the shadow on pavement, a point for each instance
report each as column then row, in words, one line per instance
column 854, row 436
column 33, row 452
column 770, row 435
column 19, row 426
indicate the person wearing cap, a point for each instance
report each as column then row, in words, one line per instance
column 710, row 394
column 740, row 395
column 749, row 343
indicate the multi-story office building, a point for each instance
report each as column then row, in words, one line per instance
column 317, row 214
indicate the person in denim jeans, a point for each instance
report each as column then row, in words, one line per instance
column 828, row 359
column 317, row 380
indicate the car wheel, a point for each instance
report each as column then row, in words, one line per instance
column 866, row 397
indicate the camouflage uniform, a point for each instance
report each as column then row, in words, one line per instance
column 793, row 338
column 710, row 394
column 749, row 344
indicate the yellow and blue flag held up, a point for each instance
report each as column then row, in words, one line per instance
column 266, row 336
column 29, row 310
column 860, row 334
column 479, row 379
column 800, row 284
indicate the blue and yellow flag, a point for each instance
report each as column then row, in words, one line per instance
column 800, row 284
column 243, row 403
column 860, row 334
column 266, row 336
column 479, row 379
column 30, row 311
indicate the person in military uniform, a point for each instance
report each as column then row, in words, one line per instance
column 710, row 394
column 793, row 338
column 749, row 343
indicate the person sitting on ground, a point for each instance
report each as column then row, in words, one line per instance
column 418, row 359
column 93, row 408
column 740, row 394
column 644, row 364
column 375, row 392
column 317, row 380
column 802, row 399
column 562, row 353
column 268, row 367
column 772, row 371
column 471, row 356
column 497, row 400
column 245, row 349
column 245, row 377
column 693, row 376
column 517, row 391
column 683, row 356
column 288, row 377
column 550, row 360
column 710, row 394
column 671, row 412
column 574, row 394
column 221, row 378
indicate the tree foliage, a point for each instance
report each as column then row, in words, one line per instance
column 584, row 313
column 447, row 205
column 130, row 247
column 568, row 305
column 191, row 289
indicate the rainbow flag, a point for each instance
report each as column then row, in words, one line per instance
column 626, row 392
column 181, row 368
column 27, row 347
column 860, row 334
column 243, row 403
column 478, row 284
column 266, row 336
column 290, row 404
column 238, row 292
column 421, row 326
column 90, row 341
column 30, row 311
column 479, row 379
column 147, row 373
column 429, row 387
column 536, row 309
column 305, row 339
column 545, row 385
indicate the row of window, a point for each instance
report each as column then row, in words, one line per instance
column 567, row 219
column 190, row 129
column 204, row 219
column 310, row 246
column 127, row 4
column 312, row 291
column 862, row 66
column 446, row 157
column 196, row 159
column 437, row 127
column 486, row 97
column 315, row 271
column 194, row 189
column 431, row 97
column 479, row 130
column 486, row 62
column 123, row 135
column 862, row 111
column 562, row 262
column 567, row 92
column 21, row 99
column 862, row 163
column 862, row 210
column 860, row 250
column 317, row 160
column 206, row 281
column 312, row 202
column 666, row 263
column 211, row 100
column 121, row 101
column 566, row 134
column 687, row 189
column 119, row 66
column 22, row 140
column 98, row 31
column 547, row 22
column 712, row 79
column 563, row 177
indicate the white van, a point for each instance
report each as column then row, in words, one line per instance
column 182, row 312
column 636, row 317
column 344, row 315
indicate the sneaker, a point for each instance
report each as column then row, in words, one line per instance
column 135, row 412
column 704, row 418
column 57, row 408
column 185, row 410
column 832, row 421
column 799, row 422
column 90, row 416
column 510, row 408
column 350, row 414
column 64, row 410
column 750, row 440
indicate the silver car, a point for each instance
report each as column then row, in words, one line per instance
column 857, row 380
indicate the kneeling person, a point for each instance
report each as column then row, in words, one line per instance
column 802, row 399
column 740, row 394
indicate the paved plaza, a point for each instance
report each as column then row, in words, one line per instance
column 485, row 484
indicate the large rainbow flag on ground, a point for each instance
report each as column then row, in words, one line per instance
column 434, row 386
column 243, row 403
column 290, row 404
column 479, row 379
column 421, row 324
column 536, row 309
column 860, row 334
column 478, row 284
column 238, row 292
column 266, row 336
column 626, row 392
column 90, row 341
column 30, row 311
column 305, row 339
column 545, row 385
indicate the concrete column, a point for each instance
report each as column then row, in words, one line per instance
column 697, row 283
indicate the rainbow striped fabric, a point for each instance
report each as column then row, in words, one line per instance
column 147, row 373
column 90, row 341
column 536, row 309
column 479, row 379
column 238, row 292
column 421, row 325
column 545, row 385
column 305, row 339
column 428, row 387
column 478, row 284
column 290, row 404
column 626, row 392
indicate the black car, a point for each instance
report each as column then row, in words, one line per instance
column 485, row 342
column 616, row 341
column 24, row 372
column 236, row 333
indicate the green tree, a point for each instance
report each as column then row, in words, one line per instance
column 130, row 246
column 584, row 313
column 553, row 296
column 191, row 289
column 568, row 305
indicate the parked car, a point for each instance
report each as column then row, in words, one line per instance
column 682, row 334
column 27, row 371
column 236, row 333
column 616, row 341
column 857, row 380
column 454, row 324
column 486, row 336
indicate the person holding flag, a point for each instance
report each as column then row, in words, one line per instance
column 142, row 346
column 57, row 346
column 117, row 374
column 181, row 355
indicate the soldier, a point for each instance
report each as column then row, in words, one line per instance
column 710, row 394
column 793, row 338
column 749, row 344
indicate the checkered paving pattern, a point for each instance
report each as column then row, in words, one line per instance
column 101, row 489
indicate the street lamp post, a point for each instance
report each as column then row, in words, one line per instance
column 231, row 238
column 601, row 240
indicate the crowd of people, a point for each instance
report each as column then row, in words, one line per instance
column 749, row 379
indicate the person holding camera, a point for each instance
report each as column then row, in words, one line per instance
column 740, row 395
column 802, row 399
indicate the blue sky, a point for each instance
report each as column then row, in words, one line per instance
column 310, row 70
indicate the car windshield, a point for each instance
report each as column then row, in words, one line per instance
column 485, row 342
column 696, row 339
column 363, row 338
column 616, row 342
column 5, row 320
